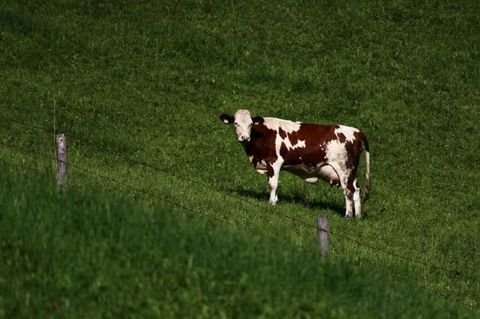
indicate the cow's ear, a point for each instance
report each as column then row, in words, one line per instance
column 257, row 120
column 226, row 118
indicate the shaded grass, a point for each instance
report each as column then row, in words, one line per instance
column 73, row 255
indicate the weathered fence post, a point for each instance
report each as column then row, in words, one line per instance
column 61, row 143
column 322, row 234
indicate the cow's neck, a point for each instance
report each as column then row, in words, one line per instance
column 247, row 146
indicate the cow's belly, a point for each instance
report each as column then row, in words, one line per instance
column 312, row 174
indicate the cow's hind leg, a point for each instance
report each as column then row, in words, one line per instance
column 348, row 203
column 348, row 189
column 356, row 200
column 353, row 204
column 348, row 192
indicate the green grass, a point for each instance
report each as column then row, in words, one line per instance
column 146, row 80
column 73, row 255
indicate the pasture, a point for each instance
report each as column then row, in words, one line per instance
column 137, row 87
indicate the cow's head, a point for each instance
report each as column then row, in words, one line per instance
column 243, row 122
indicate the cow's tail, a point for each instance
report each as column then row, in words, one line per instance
column 367, row 168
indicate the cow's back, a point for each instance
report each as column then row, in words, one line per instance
column 307, row 145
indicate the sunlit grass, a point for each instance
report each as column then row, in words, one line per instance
column 146, row 81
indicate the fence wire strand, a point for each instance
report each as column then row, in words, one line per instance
column 337, row 234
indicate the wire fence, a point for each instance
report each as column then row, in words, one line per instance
column 122, row 185
column 312, row 227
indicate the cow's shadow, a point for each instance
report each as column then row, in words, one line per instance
column 293, row 198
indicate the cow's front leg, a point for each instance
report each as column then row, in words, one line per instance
column 273, row 172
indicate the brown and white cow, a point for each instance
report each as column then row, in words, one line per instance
column 310, row 151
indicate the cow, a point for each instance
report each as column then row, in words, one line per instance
column 310, row 151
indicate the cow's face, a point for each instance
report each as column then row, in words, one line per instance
column 243, row 125
column 243, row 122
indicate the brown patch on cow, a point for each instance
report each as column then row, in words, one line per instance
column 354, row 149
column 350, row 184
column 258, row 120
column 284, row 150
column 226, row 118
column 282, row 133
column 314, row 134
column 315, row 137
column 261, row 145
column 293, row 156
column 293, row 137
column 270, row 171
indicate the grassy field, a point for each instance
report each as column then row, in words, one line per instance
column 137, row 86
column 92, row 257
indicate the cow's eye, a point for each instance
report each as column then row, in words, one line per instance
column 236, row 124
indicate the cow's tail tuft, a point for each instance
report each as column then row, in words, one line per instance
column 367, row 168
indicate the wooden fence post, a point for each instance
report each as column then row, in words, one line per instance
column 61, row 143
column 322, row 234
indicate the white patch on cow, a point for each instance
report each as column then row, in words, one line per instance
column 328, row 174
column 336, row 152
column 288, row 127
column 243, row 125
column 311, row 180
column 336, row 155
column 289, row 145
column 311, row 174
column 347, row 131
column 273, row 123
column 261, row 167
column 356, row 200
column 242, row 113
column 273, row 181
